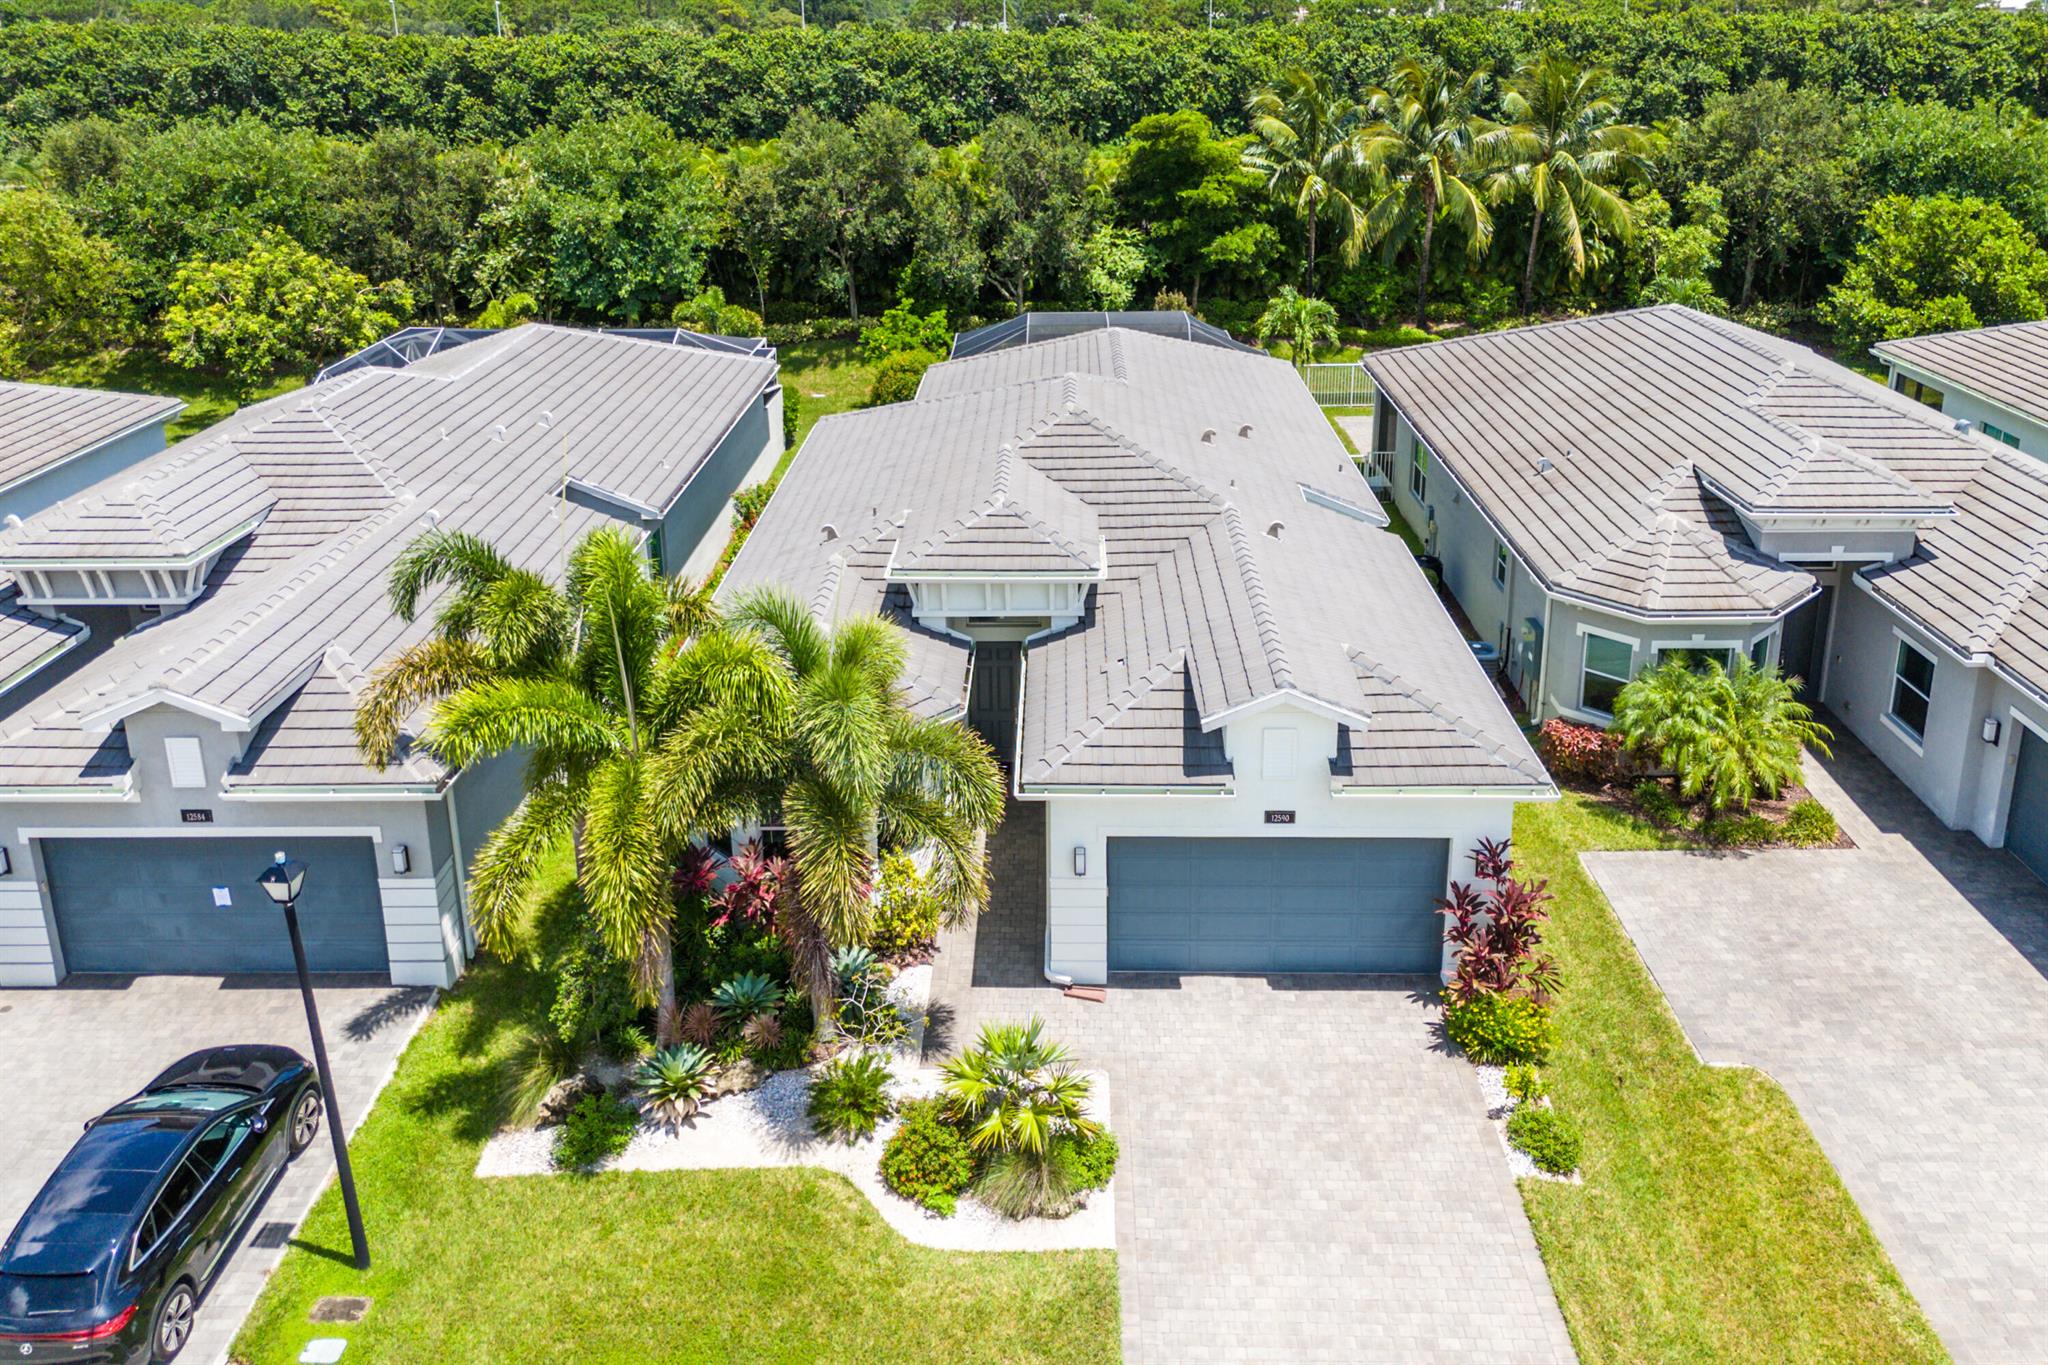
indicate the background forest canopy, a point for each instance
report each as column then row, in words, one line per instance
column 1858, row 173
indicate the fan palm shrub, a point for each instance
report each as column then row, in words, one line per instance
column 1302, row 322
column 1015, row 1089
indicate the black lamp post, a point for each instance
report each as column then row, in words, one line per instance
column 282, row 881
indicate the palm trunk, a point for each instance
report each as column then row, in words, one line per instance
column 1422, row 269
column 668, row 1020
column 1308, row 278
column 1529, row 268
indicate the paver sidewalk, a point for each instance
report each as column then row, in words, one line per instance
column 1897, row 992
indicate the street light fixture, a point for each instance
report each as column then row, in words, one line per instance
column 282, row 881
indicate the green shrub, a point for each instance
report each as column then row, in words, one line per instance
column 849, row 1097
column 1740, row 831
column 792, row 417
column 1656, row 802
column 1500, row 1029
column 926, row 1160
column 906, row 908
column 1809, row 823
column 1525, row 1083
column 750, row 502
column 745, row 996
column 1025, row 1184
column 896, row 378
column 1547, row 1136
column 593, row 995
column 600, row 1126
column 1091, row 1157
column 901, row 329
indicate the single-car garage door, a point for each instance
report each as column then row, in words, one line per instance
column 147, row 905
column 1276, row 905
column 2026, row 823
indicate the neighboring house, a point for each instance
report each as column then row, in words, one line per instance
column 53, row 443
column 1610, row 490
column 239, row 583
column 1995, row 378
column 1145, row 569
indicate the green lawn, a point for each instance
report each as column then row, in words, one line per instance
column 828, row 377
column 1710, row 1227
column 685, row 1266
column 208, row 399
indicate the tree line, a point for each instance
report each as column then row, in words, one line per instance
column 1427, row 194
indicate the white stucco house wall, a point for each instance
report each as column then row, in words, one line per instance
column 1138, row 561
column 233, row 593
column 1611, row 489
column 1994, row 378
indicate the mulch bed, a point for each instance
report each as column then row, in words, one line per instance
column 1621, row 797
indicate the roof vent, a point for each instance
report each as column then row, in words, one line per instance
column 446, row 435
column 1963, row 425
column 546, row 418
column 10, row 521
column 1275, row 529
column 431, row 518
column 498, row 432
column 1543, row 464
column 1245, row 431
column 1208, row 436
column 827, row 533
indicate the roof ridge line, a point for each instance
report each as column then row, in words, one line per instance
column 1255, row 589
column 1119, row 705
column 1495, row 747
column 2008, row 599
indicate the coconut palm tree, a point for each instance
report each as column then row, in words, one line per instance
column 609, row 663
column 1302, row 322
column 1306, row 147
column 1426, row 137
column 1563, row 150
column 837, row 758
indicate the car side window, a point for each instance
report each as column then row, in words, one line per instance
column 220, row 1141
column 177, row 1194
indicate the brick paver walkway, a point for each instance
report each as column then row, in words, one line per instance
column 68, row 1053
column 1896, row 991
column 1306, row 1174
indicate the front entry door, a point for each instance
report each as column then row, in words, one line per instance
column 1802, row 654
column 993, row 709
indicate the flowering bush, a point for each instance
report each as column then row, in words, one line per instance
column 1501, row 1030
column 1579, row 753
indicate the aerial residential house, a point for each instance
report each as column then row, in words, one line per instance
column 1995, row 378
column 1609, row 491
column 236, row 591
column 1137, row 560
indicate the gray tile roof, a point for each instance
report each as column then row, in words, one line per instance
column 1612, row 451
column 42, row 425
column 475, row 439
column 175, row 510
column 2008, row 365
column 310, row 742
column 1225, row 584
column 28, row 639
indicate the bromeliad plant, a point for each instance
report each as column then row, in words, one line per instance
column 1497, row 929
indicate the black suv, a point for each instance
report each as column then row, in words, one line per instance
column 109, row 1261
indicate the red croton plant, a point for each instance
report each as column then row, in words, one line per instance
column 1497, row 928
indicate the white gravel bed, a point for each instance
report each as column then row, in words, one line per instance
column 1499, row 1104
column 771, row 1126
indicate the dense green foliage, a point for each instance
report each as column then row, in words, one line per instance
column 849, row 1096
column 1500, row 1028
column 1547, row 1136
column 599, row 1127
column 926, row 1159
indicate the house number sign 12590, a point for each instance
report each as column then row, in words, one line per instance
column 1279, row 817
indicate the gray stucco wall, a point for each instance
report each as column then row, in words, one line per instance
column 2033, row 435
column 52, row 486
column 696, row 528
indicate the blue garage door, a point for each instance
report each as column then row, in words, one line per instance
column 146, row 905
column 2026, row 824
column 1276, row 905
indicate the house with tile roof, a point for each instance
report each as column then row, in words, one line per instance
column 232, row 597
column 1607, row 491
column 1138, row 561
column 1995, row 378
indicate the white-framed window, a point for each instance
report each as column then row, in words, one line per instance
column 1913, row 388
column 1697, row 657
column 1760, row 651
column 188, row 766
column 1604, row 673
column 1418, row 473
column 1912, row 689
column 1500, row 564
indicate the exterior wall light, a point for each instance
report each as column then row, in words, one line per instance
column 6, row 862
column 401, row 859
column 1991, row 729
column 1080, row 860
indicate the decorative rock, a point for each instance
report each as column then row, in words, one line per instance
column 737, row 1077
column 564, row 1096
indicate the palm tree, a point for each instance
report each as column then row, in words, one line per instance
column 1306, row 147
column 1425, row 139
column 607, row 664
column 1302, row 322
column 1563, row 150
column 1754, row 743
column 836, row 756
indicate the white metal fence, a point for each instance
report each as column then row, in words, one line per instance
column 1340, row 385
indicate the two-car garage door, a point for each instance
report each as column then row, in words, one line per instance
column 148, row 905
column 1276, row 905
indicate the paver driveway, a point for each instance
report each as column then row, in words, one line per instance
column 66, row 1054
column 1896, row 991
column 1306, row 1174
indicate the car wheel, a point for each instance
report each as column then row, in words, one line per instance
column 172, row 1327
column 306, row 1120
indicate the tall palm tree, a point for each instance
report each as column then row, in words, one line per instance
column 1563, row 149
column 619, row 656
column 1306, row 147
column 1425, row 139
column 1302, row 322
column 842, row 762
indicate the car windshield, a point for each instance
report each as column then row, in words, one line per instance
column 185, row 1099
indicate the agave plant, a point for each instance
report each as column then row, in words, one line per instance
column 852, row 966
column 700, row 1024
column 675, row 1081
column 1014, row 1089
column 745, row 996
column 763, row 1032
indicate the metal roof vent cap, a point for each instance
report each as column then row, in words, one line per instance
column 10, row 521
column 827, row 533
column 1963, row 425
column 1208, row 436
column 498, row 432
column 1273, row 531
column 546, row 418
column 1543, row 464
column 1245, row 432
